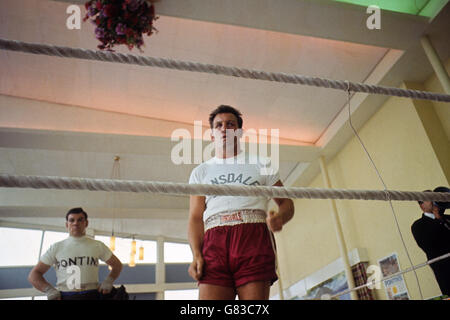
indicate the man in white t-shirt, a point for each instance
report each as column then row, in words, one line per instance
column 232, row 247
column 76, row 262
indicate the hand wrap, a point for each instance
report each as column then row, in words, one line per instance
column 52, row 293
column 106, row 285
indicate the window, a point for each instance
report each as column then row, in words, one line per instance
column 20, row 247
column 26, row 298
column 177, row 252
column 181, row 294
column 123, row 249
column 51, row 237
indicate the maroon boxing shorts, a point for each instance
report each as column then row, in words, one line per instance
column 238, row 254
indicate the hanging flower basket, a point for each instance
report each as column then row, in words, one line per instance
column 121, row 22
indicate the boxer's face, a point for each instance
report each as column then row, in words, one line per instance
column 76, row 224
column 221, row 123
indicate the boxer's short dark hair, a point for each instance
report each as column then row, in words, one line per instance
column 226, row 109
column 76, row 211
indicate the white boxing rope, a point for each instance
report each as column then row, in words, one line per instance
column 373, row 283
column 109, row 56
column 69, row 183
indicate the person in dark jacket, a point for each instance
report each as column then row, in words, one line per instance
column 432, row 234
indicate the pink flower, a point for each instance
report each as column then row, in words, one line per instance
column 120, row 29
column 99, row 32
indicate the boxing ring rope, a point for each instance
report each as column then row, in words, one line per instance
column 98, row 55
column 43, row 182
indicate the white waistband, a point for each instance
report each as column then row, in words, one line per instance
column 235, row 217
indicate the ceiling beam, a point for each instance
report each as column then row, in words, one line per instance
column 295, row 174
column 120, row 144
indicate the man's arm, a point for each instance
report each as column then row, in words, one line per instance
column 36, row 278
column 276, row 220
column 195, row 234
column 421, row 237
column 116, row 268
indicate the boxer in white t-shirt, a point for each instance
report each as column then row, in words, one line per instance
column 76, row 263
column 229, row 235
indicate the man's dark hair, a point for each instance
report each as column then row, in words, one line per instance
column 441, row 205
column 420, row 201
column 76, row 211
column 226, row 109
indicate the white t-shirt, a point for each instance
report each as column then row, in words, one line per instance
column 83, row 252
column 242, row 169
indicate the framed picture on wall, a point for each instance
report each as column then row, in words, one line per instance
column 395, row 287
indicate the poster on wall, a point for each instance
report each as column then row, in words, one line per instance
column 395, row 287
column 330, row 287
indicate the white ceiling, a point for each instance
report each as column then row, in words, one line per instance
column 68, row 117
